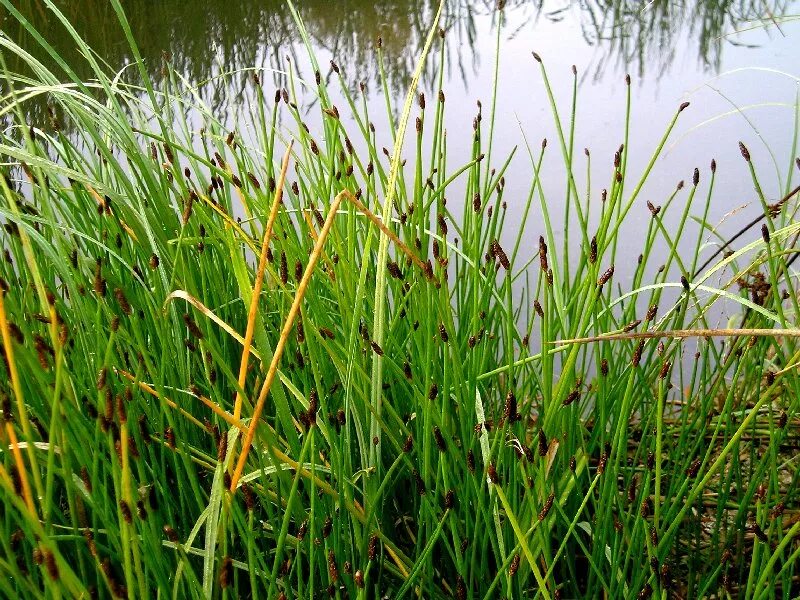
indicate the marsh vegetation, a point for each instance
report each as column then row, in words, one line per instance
column 275, row 350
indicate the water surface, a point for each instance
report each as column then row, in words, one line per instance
column 735, row 61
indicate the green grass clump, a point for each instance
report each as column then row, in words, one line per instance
column 425, row 429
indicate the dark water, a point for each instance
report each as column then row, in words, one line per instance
column 736, row 61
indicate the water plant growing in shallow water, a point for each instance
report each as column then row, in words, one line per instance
column 237, row 370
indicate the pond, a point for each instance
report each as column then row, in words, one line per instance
column 732, row 60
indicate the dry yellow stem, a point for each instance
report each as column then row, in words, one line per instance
column 143, row 386
column 287, row 328
column 23, row 475
column 15, row 384
column 262, row 265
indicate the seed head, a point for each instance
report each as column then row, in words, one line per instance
column 547, row 506
column 226, row 572
column 394, row 269
column 440, row 443
column 125, row 510
column 192, row 326
column 50, row 564
column 124, row 306
column 745, row 152
column 497, row 251
column 372, row 548
column 542, row 443
column 606, row 276
column 492, row 473
column 512, row 569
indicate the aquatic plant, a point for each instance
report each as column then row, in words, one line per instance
column 280, row 361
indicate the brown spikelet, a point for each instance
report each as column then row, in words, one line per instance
column 654, row 536
column 172, row 536
column 394, row 269
column 498, row 252
column 169, row 437
column 491, row 471
column 606, row 276
column 122, row 414
column 109, row 406
column 537, row 306
column 124, row 306
column 542, row 437
column 254, row 181
column 408, row 444
column 301, row 532
column 601, row 465
column 372, row 548
column 427, row 270
column 631, row 326
column 665, row 367
column 284, row 269
column 333, row 570
column 376, row 348
column 510, row 410
column 298, row 271
column 99, row 284
column 547, row 506
column 125, row 510
column 188, row 207
column 50, row 564
column 222, row 448
column 443, row 333
column 683, row 106
column 514, row 567
column 593, row 250
column 226, row 572
column 651, row 312
column 694, row 468
column 644, row 509
column 168, row 153
column 101, row 378
column 327, row 527
column 194, row 330
column 571, row 397
column 543, row 254
column 745, row 152
column 637, row 354
column 471, row 461
column 439, row 438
